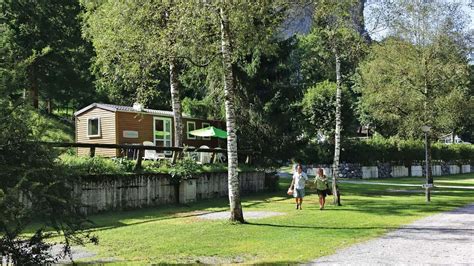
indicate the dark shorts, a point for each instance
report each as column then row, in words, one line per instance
column 322, row 193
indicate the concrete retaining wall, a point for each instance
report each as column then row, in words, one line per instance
column 399, row 171
column 369, row 172
column 386, row 170
column 466, row 168
column 102, row 193
column 454, row 169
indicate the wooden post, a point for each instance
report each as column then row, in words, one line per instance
column 249, row 159
column 213, row 157
column 92, row 152
column 175, row 157
column 141, row 153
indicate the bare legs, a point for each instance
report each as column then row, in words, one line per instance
column 322, row 201
column 299, row 201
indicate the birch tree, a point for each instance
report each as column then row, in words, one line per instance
column 245, row 30
column 135, row 39
column 334, row 21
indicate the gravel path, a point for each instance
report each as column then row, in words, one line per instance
column 446, row 238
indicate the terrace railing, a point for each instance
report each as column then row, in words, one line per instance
column 177, row 152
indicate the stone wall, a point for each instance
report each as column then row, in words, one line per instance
column 117, row 192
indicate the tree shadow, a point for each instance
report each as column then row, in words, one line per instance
column 411, row 228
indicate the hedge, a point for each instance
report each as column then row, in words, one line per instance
column 393, row 150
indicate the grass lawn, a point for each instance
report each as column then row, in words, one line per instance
column 176, row 234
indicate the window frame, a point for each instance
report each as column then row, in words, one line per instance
column 98, row 135
column 203, row 125
column 189, row 136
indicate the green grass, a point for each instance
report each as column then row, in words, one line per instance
column 57, row 130
column 176, row 234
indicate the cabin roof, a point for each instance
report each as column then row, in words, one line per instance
column 122, row 108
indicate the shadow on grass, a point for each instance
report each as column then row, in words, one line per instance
column 417, row 229
column 111, row 219
column 370, row 203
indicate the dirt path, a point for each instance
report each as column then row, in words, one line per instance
column 446, row 238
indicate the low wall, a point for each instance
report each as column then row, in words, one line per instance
column 117, row 192
column 387, row 170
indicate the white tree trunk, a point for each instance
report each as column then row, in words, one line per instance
column 236, row 213
column 176, row 104
column 337, row 137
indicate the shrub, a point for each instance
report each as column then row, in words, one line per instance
column 95, row 165
column 183, row 169
column 394, row 150
column 161, row 166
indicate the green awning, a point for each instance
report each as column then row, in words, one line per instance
column 209, row 132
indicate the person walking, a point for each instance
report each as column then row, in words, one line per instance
column 298, row 183
column 322, row 187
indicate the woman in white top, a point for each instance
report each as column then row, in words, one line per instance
column 298, row 183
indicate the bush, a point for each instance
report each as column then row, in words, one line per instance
column 160, row 166
column 183, row 169
column 394, row 150
column 96, row 165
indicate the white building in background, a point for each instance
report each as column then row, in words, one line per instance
column 448, row 139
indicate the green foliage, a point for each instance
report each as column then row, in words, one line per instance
column 33, row 187
column 42, row 50
column 313, row 152
column 198, row 108
column 270, row 120
column 379, row 149
column 401, row 91
column 403, row 151
column 371, row 209
column 419, row 75
column 160, row 166
column 319, row 108
column 334, row 22
column 96, row 165
column 183, row 169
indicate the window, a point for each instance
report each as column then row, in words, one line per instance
column 93, row 127
column 204, row 125
column 191, row 125
column 162, row 133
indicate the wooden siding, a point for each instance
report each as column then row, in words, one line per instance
column 142, row 123
column 107, row 131
column 113, row 125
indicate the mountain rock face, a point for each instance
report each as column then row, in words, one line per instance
column 301, row 17
column 298, row 22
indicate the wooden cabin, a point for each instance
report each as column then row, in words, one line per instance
column 115, row 124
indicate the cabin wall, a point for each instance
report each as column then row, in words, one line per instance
column 136, row 122
column 143, row 125
column 198, row 142
column 134, row 128
column 107, row 132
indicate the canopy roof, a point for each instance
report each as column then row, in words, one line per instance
column 209, row 132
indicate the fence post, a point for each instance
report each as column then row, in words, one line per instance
column 92, row 152
column 175, row 156
column 213, row 157
column 248, row 160
column 141, row 153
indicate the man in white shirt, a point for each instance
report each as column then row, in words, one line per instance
column 298, row 183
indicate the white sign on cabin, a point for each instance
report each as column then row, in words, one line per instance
column 130, row 134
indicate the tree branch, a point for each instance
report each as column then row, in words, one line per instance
column 198, row 64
